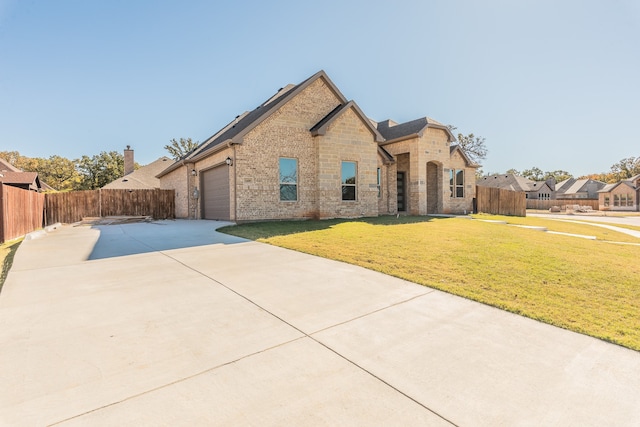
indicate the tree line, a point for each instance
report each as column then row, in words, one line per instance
column 62, row 174
column 87, row 172
column 92, row 172
column 624, row 169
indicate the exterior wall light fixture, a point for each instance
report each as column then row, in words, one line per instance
column 229, row 161
column 194, row 172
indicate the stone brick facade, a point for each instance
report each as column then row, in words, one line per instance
column 178, row 180
column 314, row 124
column 426, row 161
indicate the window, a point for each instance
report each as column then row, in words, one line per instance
column 288, row 179
column 630, row 199
column 456, row 182
column 623, row 200
column 348, row 181
column 606, row 200
column 379, row 181
column 616, row 200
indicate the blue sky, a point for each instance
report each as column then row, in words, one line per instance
column 552, row 84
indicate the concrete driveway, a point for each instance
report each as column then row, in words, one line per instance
column 172, row 323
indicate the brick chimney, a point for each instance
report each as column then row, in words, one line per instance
column 128, row 160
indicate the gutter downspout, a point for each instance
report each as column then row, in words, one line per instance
column 235, row 184
column 188, row 190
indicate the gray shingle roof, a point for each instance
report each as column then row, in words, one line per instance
column 391, row 131
column 610, row 187
column 248, row 120
column 576, row 186
column 507, row 181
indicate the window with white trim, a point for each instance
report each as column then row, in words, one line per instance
column 349, row 171
column 288, row 179
column 456, row 183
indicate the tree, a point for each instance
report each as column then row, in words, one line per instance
column 513, row 171
column 12, row 157
column 625, row 168
column 557, row 175
column 59, row 172
column 473, row 146
column 179, row 149
column 99, row 170
column 534, row 174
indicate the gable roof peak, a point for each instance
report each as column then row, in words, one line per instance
column 233, row 132
column 320, row 128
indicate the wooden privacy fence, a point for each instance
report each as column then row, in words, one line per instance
column 159, row 204
column 562, row 204
column 73, row 206
column 500, row 202
column 21, row 212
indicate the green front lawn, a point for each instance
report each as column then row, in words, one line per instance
column 591, row 287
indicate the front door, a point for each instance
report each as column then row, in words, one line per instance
column 402, row 202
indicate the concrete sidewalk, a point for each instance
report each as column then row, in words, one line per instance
column 172, row 323
column 608, row 222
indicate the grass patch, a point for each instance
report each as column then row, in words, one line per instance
column 7, row 252
column 586, row 286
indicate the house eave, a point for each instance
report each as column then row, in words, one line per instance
column 400, row 139
column 220, row 147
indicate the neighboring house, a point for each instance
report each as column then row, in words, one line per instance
column 569, row 189
column 143, row 178
column 536, row 190
column 308, row 152
column 10, row 175
column 621, row 196
column 573, row 188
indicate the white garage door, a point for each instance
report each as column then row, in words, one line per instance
column 215, row 193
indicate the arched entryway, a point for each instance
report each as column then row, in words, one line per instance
column 434, row 193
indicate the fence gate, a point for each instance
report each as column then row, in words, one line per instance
column 500, row 202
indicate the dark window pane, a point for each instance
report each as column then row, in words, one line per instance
column 348, row 192
column 460, row 191
column 288, row 192
column 459, row 177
